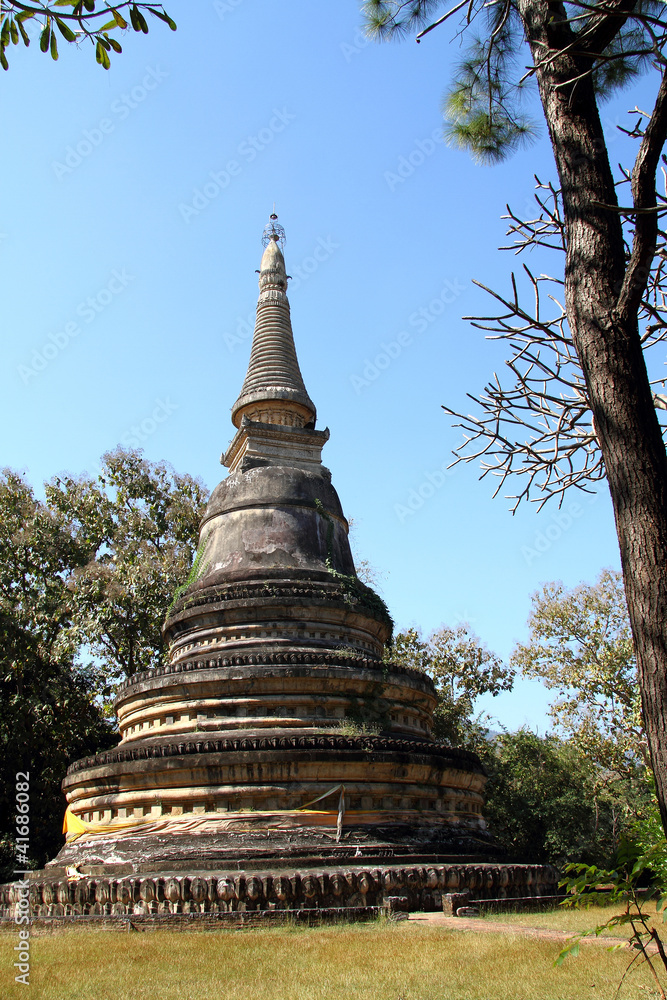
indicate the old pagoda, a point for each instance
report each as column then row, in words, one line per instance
column 276, row 760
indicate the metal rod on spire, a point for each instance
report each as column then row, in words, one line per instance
column 273, row 231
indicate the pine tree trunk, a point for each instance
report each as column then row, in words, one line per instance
column 607, row 341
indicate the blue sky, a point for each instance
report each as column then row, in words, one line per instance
column 133, row 206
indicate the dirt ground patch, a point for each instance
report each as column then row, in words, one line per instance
column 477, row 925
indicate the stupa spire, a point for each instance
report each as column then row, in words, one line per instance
column 273, row 391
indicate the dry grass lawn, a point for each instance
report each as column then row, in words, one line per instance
column 377, row 961
column 572, row 921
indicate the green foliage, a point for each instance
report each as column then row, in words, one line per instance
column 549, row 799
column 462, row 669
column 48, row 718
column 572, row 795
column 196, row 570
column 48, row 715
column 636, row 864
column 581, row 646
column 358, row 593
column 545, row 803
column 85, row 582
column 74, row 25
column 483, row 106
column 386, row 19
column 481, row 110
column 648, row 836
column 140, row 523
column 353, row 727
column 624, row 61
column 37, row 551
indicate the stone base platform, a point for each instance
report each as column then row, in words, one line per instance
column 234, row 920
column 353, row 888
column 260, row 847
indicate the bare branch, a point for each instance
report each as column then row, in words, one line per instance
column 644, row 199
column 445, row 17
column 540, row 426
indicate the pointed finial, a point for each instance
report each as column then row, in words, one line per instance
column 273, row 390
column 273, row 231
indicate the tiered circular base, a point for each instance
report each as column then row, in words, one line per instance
column 279, row 689
column 221, row 797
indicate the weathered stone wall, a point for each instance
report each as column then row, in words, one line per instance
column 409, row 888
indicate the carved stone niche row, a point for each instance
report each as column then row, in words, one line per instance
column 277, row 416
column 254, row 632
column 235, row 713
column 458, row 807
column 450, row 756
column 288, row 658
column 420, row 889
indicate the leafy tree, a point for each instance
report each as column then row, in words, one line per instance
column 636, row 880
column 81, row 21
column 581, row 646
column 85, row 583
column 545, row 805
column 572, row 796
column 648, row 837
column 48, row 716
column 462, row 668
column 139, row 521
column 613, row 275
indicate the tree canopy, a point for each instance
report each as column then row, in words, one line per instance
column 462, row 668
column 86, row 579
column 48, row 715
column 556, row 798
column 484, row 106
column 545, row 802
column 139, row 523
column 581, row 646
